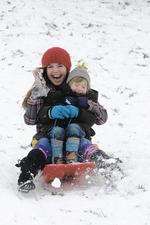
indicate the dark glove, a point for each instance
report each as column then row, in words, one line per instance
column 82, row 102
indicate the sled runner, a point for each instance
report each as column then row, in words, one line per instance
column 67, row 171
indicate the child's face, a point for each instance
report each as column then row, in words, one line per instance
column 79, row 87
column 56, row 73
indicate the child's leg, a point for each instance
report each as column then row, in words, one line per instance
column 56, row 135
column 73, row 135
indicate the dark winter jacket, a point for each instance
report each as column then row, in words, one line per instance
column 65, row 96
column 37, row 112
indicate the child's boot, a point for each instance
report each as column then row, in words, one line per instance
column 71, row 157
column 30, row 166
column 58, row 160
column 72, row 145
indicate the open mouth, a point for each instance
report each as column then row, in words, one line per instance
column 57, row 77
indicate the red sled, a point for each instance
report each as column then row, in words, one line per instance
column 67, row 171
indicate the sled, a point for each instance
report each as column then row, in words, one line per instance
column 67, row 171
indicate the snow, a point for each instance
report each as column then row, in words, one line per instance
column 56, row 183
column 112, row 36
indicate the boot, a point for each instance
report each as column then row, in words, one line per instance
column 30, row 166
column 71, row 157
column 58, row 160
column 102, row 160
column 25, row 182
column 98, row 159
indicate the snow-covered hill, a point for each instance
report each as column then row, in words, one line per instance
column 113, row 37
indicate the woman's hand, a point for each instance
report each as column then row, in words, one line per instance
column 39, row 88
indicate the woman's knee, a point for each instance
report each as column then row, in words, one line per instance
column 44, row 145
column 44, row 141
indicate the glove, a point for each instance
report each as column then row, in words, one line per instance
column 39, row 88
column 62, row 112
column 58, row 112
column 82, row 102
column 73, row 111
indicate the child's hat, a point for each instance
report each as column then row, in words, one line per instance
column 56, row 55
column 79, row 71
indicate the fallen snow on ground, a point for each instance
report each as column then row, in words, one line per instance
column 112, row 36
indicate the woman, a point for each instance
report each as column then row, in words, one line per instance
column 49, row 79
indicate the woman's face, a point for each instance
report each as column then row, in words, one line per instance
column 56, row 73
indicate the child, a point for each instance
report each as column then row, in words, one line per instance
column 51, row 78
column 79, row 83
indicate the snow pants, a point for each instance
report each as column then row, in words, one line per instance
column 70, row 139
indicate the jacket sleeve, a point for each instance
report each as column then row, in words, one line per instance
column 43, row 116
column 31, row 111
column 86, row 117
column 93, row 95
column 98, row 111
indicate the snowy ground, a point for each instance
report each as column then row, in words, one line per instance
column 113, row 37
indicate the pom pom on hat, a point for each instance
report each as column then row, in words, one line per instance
column 82, row 64
column 56, row 55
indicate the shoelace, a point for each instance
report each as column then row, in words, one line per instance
column 27, row 186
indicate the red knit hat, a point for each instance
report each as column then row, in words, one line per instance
column 56, row 55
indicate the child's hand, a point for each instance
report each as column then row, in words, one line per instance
column 58, row 112
column 73, row 111
column 62, row 112
column 83, row 102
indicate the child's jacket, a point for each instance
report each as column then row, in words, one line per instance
column 92, row 113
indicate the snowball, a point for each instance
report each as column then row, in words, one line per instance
column 56, row 183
